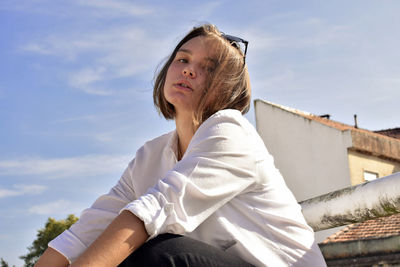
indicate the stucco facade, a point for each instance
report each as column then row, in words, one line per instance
column 311, row 156
column 360, row 163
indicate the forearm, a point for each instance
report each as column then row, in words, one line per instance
column 52, row 258
column 123, row 236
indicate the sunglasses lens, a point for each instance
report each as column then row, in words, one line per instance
column 237, row 42
column 239, row 45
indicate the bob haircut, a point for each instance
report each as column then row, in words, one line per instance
column 227, row 84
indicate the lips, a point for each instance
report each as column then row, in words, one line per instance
column 184, row 85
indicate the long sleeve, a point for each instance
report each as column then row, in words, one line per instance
column 218, row 165
column 92, row 222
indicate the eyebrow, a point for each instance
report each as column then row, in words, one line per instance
column 191, row 53
column 185, row 50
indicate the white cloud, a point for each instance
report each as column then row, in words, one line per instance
column 71, row 45
column 110, row 54
column 21, row 189
column 85, row 78
column 88, row 165
column 204, row 10
column 284, row 80
column 110, row 51
column 116, row 8
column 304, row 34
column 262, row 41
column 36, row 48
column 57, row 207
column 317, row 32
column 334, row 36
column 79, row 8
column 87, row 75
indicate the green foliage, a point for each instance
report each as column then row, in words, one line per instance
column 3, row 263
column 51, row 230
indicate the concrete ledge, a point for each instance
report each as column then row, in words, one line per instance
column 378, row 198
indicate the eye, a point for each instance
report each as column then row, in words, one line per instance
column 182, row 60
column 181, row 57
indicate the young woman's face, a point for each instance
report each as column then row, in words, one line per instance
column 187, row 74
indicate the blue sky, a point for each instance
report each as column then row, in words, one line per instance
column 76, row 85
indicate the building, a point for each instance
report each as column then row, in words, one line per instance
column 371, row 243
column 317, row 155
column 395, row 132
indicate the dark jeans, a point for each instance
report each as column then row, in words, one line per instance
column 176, row 251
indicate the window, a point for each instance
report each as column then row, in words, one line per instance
column 369, row 176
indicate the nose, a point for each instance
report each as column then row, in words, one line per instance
column 188, row 72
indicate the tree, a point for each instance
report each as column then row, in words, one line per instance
column 51, row 230
column 3, row 263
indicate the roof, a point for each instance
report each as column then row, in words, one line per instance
column 372, row 229
column 365, row 141
column 321, row 119
column 394, row 132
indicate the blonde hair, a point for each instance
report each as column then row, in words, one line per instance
column 227, row 86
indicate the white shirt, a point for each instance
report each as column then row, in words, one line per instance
column 225, row 191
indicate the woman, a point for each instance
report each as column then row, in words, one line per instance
column 206, row 194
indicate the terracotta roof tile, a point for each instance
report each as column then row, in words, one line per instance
column 372, row 229
column 395, row 132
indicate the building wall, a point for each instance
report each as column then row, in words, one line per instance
column 312, row 157
column 360, row 162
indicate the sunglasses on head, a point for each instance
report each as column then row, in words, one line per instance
column 237, row 42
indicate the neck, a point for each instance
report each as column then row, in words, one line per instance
column 185, row 129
